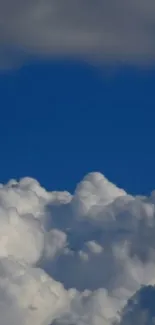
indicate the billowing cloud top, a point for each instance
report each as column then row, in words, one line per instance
column 107, row 30
column 76, row 259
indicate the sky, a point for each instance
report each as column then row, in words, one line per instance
column 61, row 119
column 77, row 181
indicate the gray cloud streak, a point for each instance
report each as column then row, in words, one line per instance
column 107, row 30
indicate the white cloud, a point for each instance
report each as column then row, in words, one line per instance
column 29, row 296
column 107, row 30
column 94, row 247
column 22, row 238
column 55, row 241
column 73, row 259
column 94, row 190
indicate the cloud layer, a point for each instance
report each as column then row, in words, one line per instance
column 76, row 259
column 106, row 30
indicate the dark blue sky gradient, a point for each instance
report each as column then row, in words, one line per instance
column 61, row 120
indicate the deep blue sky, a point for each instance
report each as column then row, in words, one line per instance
column 61, row 120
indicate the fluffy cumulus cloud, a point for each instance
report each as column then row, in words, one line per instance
column 107, row 30
column 81, row 259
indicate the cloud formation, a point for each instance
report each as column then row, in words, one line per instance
column 106, row 30
column 75, row 259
